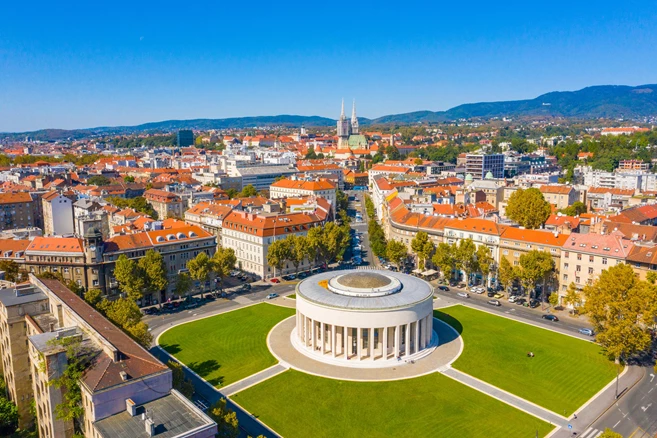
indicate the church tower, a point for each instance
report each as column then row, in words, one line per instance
column 344, row 130
column 354, row 119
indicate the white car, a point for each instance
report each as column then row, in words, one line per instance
column 513, row 298
column 463, row 294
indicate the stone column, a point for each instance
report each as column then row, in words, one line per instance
column 359, row 343
column 305, row 331
column 395, row 341
column 417, row 336
column 408, row 340
column 345, row 349
column 422, row 324
column 385, row 343
column 322, row 337
column 313, row 343
column 334, row 346
column 372, row 345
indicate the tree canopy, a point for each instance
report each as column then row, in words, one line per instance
column 528, row 208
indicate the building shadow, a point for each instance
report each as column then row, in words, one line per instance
column 455, row 323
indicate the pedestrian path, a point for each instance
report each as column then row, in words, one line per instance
column 591, row 433
column 252, row 380
column 242, row 300
column 508, row 398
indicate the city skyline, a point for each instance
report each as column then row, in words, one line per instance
column 82, row 67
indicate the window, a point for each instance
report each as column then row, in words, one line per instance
column 565, row 265
column 565, row 254
column 577, row 280
column 578, row 268
column 590, row 259
column 590, row 270
column 604, row 261
column 565, row 277
column 579, row 256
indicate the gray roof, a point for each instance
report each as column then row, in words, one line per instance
column 413, row 291
column 265, row 170
column 171, row 416
column 9, row 298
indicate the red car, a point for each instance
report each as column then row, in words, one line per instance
column 275, row 280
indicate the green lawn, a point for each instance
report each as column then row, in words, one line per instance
column 228, row 347
column 292, row 296
column 295, row 404
column 562, row 376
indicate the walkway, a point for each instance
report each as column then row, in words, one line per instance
column 448, row 350
column 253, row 379
column 507, row 398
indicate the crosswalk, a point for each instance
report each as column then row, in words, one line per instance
column 591, row 433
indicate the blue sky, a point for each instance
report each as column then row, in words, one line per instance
column 87, row 64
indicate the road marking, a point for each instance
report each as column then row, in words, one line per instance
column 617, row 423
column 636, row 431
column 591, row 433
column 650, row 390
column 652, row 377
column 644, row 409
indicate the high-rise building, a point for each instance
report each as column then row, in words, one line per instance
column 479, row 165
column 185, row 138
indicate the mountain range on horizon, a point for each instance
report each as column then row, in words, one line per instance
column 601, row 101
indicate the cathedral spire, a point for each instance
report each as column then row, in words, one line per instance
column 354, row 119
column 342, row 113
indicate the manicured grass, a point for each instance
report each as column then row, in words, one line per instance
column 292, row 296
column 562, row 376
column 295, row 404
column 228, row 347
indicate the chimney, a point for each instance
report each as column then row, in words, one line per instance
column 130, row 407
column 150, row 427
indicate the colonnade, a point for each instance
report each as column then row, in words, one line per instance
column 364, row 343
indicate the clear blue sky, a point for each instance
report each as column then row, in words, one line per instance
column 91, row 63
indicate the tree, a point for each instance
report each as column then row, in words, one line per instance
column 466, row 259
column 77, row 357
column 12, row 270
column 341, row 200
column 93, row 297
column 128, row 275
column 608, row 433
column 377, row 238
column 506, row 273
column 277, row 254
column 200, row 268
column 8, row 416
column 573, row 297
column 396, row 252
column 99, row 180
column 576, row 209
column 417, row 245
column 183, row 284
column 314, row 242
column 181, row 383
column 553, row 299
column 444, row 259
column 528, row 208
column 227, row 425
column 621, row 309
column 222, row 262
column 129, row 179
column 651, row 277
column 155, row 271
column 484, row 262
column 297, row 248
column 535, row 266
column 311, row 155
column 248, row 191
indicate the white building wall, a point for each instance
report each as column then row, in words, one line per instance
column 62, row 216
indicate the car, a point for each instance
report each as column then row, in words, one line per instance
column 534, row 304
column 445, row 288
column 513, row 298
column 552, row 318
column 494, row 303
column 586, row 331
column 498, row 296
column 463, row 294
column 271, row 296
column 479, row 291
column 520, row 301
column 490, row 294
column 303, row 274
column 245, row 286
column 275, row 280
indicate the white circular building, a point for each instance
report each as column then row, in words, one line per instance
column 368, row 318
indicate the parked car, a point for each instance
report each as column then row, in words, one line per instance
column 534, row 304
column 586, row 331
column 275, row 280
column 245, row 286
column 479, row 291
column 463, row 294
column 519, row 301
column 494, row 303
column 490, row 294
column 513, row 298
column 303, row 274
column 445, row 288
column 498, row 295
column 552, row 318
column 271, row 296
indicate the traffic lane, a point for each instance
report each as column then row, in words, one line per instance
column 512, row 309
column 637, row 409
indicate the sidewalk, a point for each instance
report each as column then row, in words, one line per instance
column 600, row 403
column 253, row 379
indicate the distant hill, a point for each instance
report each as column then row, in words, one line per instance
column 603, row 101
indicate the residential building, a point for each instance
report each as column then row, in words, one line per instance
column 286, row 188
column 20, row 210
column 121, row 381
column 585, row 256
column 480, row 165
column 561, row 196
column 166, row 204
column 208, row 216
column 261, row 177
column 57, row 214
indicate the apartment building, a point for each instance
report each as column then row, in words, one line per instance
column 121, row 379
column 287, row 188
column 585, row 256
column 20, row 210
column 479, row 165
column 250, row 234
column 209, row 216
column 57, row 214
column 166, row 204
column 561, row 196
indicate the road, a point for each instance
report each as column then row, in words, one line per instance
column 358, row 204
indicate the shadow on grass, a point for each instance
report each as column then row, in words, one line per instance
column 171, row 349
column 449, row 320
column 206, row 367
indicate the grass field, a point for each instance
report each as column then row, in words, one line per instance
column 295, row 404
column 228, row 347
column 292, row 296
column 562, row 376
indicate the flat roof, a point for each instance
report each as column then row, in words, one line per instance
column 413, row 290
column 9, row 298
column 171, row 416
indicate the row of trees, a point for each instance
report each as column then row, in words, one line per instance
column 464, row 256
column 534, row 267
column 138, row 203
column 325, row 243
